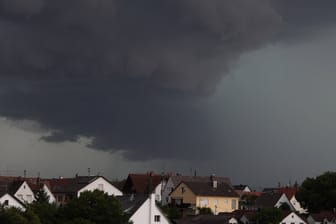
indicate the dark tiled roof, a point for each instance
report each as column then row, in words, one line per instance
column 205, row 219
column 329, row 215
column 206, row 189
column 268, row 200
column 69, row 185
column 131, row 203
column 178, row 179
column 139, row 183
column 239, row 187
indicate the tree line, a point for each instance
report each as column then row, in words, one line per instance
column 90, row 208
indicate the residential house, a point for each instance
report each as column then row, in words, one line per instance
column 144, row 184
column 290, row 193
column 142, row 209
column 17, row 187
column 218, row 197
column 244, row 216
column 207, row 219
column 241, row 189
column 66, row 189
column 175, row 180
column 272, row 199
column 323, row 217
column 9, row 201
column 292, row 218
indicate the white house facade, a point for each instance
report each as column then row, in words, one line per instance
column 101, row 184
column 149, row 213
column 168, row 188
column 9, row 201
column 24, row 193
column 297, row 206
column 283, row 199
column 293, row 218
column 51, row 196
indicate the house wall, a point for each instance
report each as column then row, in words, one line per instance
column 24, row 193
column 284, row 199
column 158, row 191
column 297, row 206
column 218, row 204
column 292, row 218
column 147, row 212
column 311, row 220
column 187, row 195
column 169, row 187
column 12, row 202
column 52, row 198
column 103, row 185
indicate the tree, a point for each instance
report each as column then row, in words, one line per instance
column 16, row 216
column 41, row 196
column 268, row 215
column 205, row 211
column 94, row 207
column 316, row 194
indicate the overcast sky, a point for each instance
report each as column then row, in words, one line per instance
column 236, row 88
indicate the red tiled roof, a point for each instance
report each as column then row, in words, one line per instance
column 253, row 193
column 288, row 191
column 138, row 183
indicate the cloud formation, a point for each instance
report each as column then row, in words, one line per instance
column 130, row 75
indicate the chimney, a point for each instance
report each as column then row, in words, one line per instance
column 214, row 184
column 213, row 181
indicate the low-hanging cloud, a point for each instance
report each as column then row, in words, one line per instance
column 127, row 74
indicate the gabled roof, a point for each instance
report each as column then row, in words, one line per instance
column 139, row 183
column 131, row 203
column 240, row 187
column 249, row 214
column 205, row 219
column 319, row 217
column 70, row 185
column 288, row 191
column 268, row 200
column 178, row 179
column 206, row 189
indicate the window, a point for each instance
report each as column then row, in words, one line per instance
column 6, row 203
column 20, row 197
column 234, row 204
column 215, row 202
column 101, row 187
column 226, row 202
column 29, row 198
column 157, row 218
column 203, row 202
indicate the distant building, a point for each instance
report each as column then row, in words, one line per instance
column 142, row 209
column 66, row 189
column 174, row 181
column 218, row 197
column 144, row 184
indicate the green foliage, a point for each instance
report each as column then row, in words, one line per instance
column 172, row 212
column 41, row 196
column 268, row 216
column 15, row 216
column 45, row 211
column 318, row 193
column 205, row 211
column 96, row 207
column 284, row 207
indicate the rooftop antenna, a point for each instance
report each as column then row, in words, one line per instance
column 89, row 171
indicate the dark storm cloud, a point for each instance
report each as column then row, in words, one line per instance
column 130, row 74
